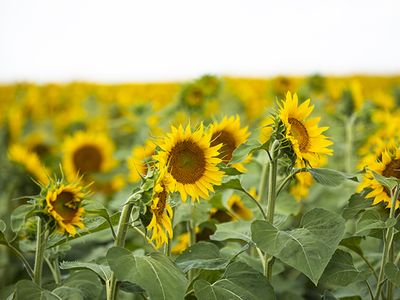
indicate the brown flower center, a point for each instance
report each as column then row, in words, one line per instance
column 299, row 132
column 87, row 159
column 228, row 144
column 186, row 162
column 392, row 169
column 162, row 202
column 65, row 205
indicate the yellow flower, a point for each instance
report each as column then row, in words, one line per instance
column 386, row 164
column 87, row 153
column 161, row 221
column 138, row 161
column 229, row 133
column 238, row 209
column 190, row 162
column 266, row 129
column 183, row 243
column 63, row 204
column 306, row 137
column 30, row 161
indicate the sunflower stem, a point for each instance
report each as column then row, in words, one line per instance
column 273, row 169
column 349, row 142
column 387, row 244
column 41, row 240
column 192, row 241
column 122, row 229
column 263, row 183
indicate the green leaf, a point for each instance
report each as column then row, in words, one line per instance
column 236, row 230
column 244, row 150
column 27, row 290
column 307, row 249
column 233, row 184
column 18, row 216
column 89, row 229
column 353, row 243
column 388, row 182
column 329, row 177
column 68, row 293
column 392, row 272
column 371, row 219
column 187, row 212
column 357, row 203
column 104, row 272
column 239, row 282
column 201, row 255
column 328, row 296
column 230, row 171
column 86, row 282
column 341, row 270
column 155, row 273
column 2, row 226
column 97, row 209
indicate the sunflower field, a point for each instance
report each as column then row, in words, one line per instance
column 215, row 188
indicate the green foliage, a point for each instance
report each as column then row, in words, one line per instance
column 201, row 255
column 155, row 273
column 238, row 282
column 237, row 230
column 393, row 273
column 308, row 248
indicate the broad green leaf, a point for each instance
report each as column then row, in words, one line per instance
column 307, row 249
column 392, row 272
column 328, row 296
column 3, row 239
column 2, row 226
column 239, row 282
column 155, row 273
column 86, row 282
column 27, row 290
column 201, row 255
column 97, row 209
column 371, row 219
column 230, row 171
column 357, row 203
column 329, row 177
column 237, row 230
column 104, row 272
column 18, row 216
column 198, row 214
column 68, row 293
column 341, row 270
column 89, row 229
column 353, row 243
column 388, row 182
column 244, row 150
column 233, row 184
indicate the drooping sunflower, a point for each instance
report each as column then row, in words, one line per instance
column 304, row 134
column 387, row 164
column 161, row 221
column 30, row 161
column 63, row 203
column 138, row 161
column 87, row 153
column 231, row 135
column 190, row 162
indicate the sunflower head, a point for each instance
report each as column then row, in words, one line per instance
column 304, row 134
column 238, row 209
column 63, row 203
column 190, row 162
column 87, row 153
column 387, row 164
column 161, row 220
column 231, row 135
column 139, row 159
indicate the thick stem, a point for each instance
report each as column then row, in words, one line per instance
column 192, row 240
column 273, row 168
column 41, row 239
column 387, row 244
column 123, row 225
column 263, row 183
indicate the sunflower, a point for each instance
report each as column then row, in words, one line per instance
column 306, row 137
column 160, row 224
column 87, row 153
column 229, row 133
column 190, row 162
column 138, row 161
column 386, row 164
column 30, row 161
column 63, row 204
column 237, row 208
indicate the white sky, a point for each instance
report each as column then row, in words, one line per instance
column 148, row 40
